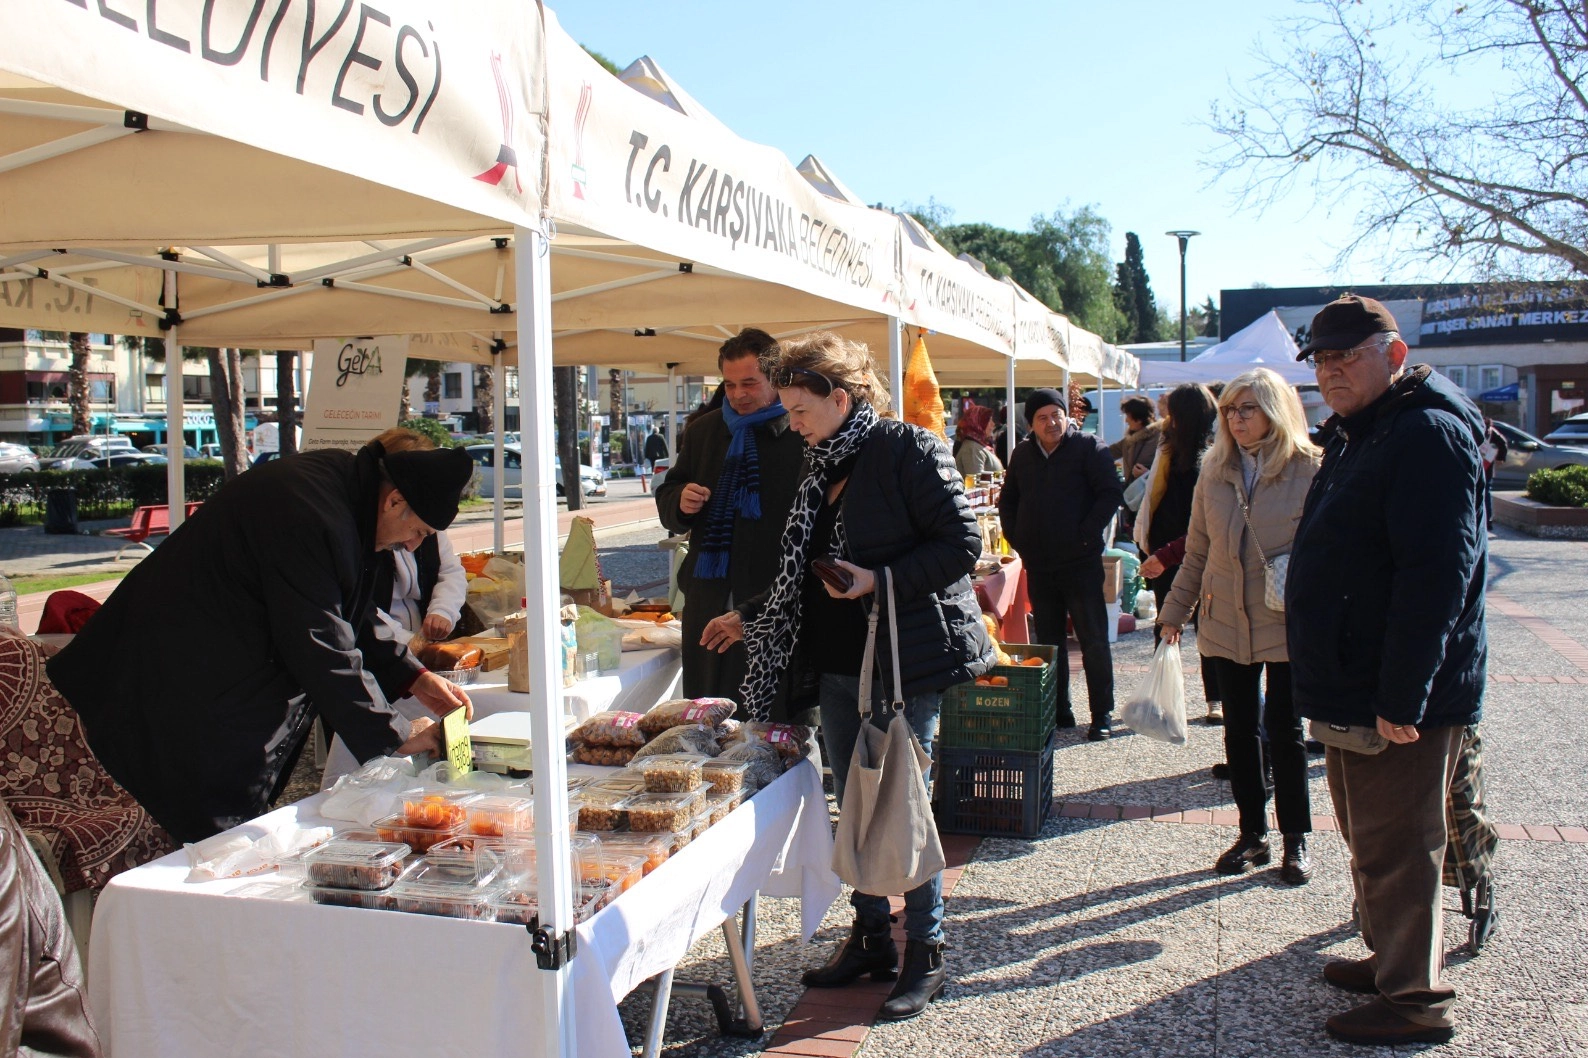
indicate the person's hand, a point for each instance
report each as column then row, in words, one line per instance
column 436, row 627
column 423, row 737
column 1169, row 634
column 693, row 498
column 1138, row 470
column 440, row 696
column 1152, row 567
column 865, row 581
column 1401, row 734
column 723, row 632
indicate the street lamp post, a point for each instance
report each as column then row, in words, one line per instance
column 1184, row 237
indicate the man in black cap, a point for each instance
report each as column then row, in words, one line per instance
column 198, row 679
column 1384, row 617
column 1059, row 492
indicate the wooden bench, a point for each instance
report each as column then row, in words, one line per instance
column 147, row 522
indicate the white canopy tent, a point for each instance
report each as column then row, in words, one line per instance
column 1263, row 343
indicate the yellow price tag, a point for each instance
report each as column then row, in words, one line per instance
column 455, row 740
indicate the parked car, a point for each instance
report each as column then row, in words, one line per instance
column 1526, row 453
column 127, row 459
column 85, row 447
column 17, row 459
column 210, row 451
column 188, row 451
column 1574, row 431
column 590, row 479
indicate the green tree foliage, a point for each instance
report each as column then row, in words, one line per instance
column 1133, row 294
column 1210, row 314
column 606, row 64
column 431, row 428
column 1063, row 261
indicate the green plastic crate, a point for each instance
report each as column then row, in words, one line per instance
column 1018, row 717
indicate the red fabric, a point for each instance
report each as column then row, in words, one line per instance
column 1003, row 594
column 1171, row 554
column 66, row 612
column 56, row 787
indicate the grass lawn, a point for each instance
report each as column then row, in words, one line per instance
column 54, row 582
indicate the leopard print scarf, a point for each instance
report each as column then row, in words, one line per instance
column 769, row 637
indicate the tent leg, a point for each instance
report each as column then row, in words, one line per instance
column 1102, row 420
column 175, row 417
column 658, row 1022
column 1009, row 404
column 674, row 405
column 896, row 365
column 498, row 411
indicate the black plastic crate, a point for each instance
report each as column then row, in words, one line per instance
column 983, row 791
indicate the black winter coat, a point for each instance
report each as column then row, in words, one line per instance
column 197, row 680
column 1054, row 508
column 1384, row 600
column 904, row 509
column 757, row 543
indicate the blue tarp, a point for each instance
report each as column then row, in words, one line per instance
column 1503, row 394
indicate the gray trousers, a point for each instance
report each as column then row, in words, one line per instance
column 1391, row 810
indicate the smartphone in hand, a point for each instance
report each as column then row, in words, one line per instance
column 832, row 574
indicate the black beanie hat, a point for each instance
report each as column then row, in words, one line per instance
column 431, row 482
column 1041, row 398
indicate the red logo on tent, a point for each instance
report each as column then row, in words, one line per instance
column 507, row 157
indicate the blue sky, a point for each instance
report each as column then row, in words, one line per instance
column 1001, row 110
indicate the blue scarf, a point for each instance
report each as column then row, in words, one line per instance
column 738, row 491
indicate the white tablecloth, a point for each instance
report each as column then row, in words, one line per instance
column 203, row 969
column 644, row 678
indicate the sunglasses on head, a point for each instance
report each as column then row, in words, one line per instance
column 803, row 377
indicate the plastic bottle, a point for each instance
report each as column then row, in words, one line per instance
column 8, row 605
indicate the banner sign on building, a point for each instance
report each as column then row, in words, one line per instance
column 354, row 391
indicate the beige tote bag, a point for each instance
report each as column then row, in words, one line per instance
column 887, row 841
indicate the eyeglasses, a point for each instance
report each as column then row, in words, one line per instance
column 1244, row 411
column 1343, row 357
column 789, row 377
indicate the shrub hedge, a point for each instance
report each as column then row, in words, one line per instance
column 103, row 493
column 1566, row 487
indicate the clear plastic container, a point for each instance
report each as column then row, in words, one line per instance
column 654, row 848
column 592, row 897
column 447, row 900
column 700, row 824
column 627, row 781
column 725, row 776
column 479, row 861
column 719, row 805
column 670, row 773
column 653, row 812
column 623, row 871
column 356, row 864
column 602, row 810
column 495, row 815
column 436, row 809
column 373, row 899
column 420, row 839
column 517, row 906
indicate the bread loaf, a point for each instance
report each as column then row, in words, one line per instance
column 445, row 657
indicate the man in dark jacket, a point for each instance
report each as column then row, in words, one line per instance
column 198, row 679
column 735, row 525
column 655, row 446
column 1384, row 617
column 1059, row 493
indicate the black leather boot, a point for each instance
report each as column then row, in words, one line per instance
column 1250, row 851
column 865, row 952
column 921, row 981
column 1296, row 866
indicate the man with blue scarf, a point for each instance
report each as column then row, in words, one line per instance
column 730, row 489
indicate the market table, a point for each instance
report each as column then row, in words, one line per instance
column 222, row 968
column 1002, row 593
column 644, row 678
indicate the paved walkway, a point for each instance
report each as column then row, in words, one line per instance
column 1109, row 935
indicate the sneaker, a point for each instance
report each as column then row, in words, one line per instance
column 1215, row 715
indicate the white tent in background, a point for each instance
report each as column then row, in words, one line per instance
column 1265, row 343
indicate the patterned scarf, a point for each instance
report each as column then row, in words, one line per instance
column 769, row 638
column 737, row 493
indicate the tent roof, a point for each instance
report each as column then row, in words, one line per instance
column 1263, row 343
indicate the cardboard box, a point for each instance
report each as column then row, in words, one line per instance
column 1113, row 579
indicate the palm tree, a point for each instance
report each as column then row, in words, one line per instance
column 77, row 385
column 485, row 398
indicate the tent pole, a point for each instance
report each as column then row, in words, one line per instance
column 175, row 414
column 535, row 420
column 498, row 413
column 1102, row 428
column 1009, row 403
column 674, row 405
column 896, row 365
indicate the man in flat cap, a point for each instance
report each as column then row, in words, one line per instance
column 1384, row 617
column 198, row 679
column 1059, row 492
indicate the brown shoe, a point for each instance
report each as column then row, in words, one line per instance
column 1353, row 975
column 1375, row 1023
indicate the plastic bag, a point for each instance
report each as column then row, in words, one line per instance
column 611, row 728
column 708, row 711
column 600, row 634
column 686, row 738
column 792, row 742
column 766, row 763
column 1157, row 706
column 497, row 591
column 370, row 793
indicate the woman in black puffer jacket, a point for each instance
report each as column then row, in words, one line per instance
column 875, row 493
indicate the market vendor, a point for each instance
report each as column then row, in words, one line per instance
column 199, row 678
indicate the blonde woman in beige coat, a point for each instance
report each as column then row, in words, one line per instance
column 1247, row 503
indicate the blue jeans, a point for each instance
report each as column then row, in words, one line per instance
column 839, row 698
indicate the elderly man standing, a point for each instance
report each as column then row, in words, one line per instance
column 1058, row 495
column 1384, row 616
column 730, row 488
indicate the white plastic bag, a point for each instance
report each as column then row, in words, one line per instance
column 1157, row 706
